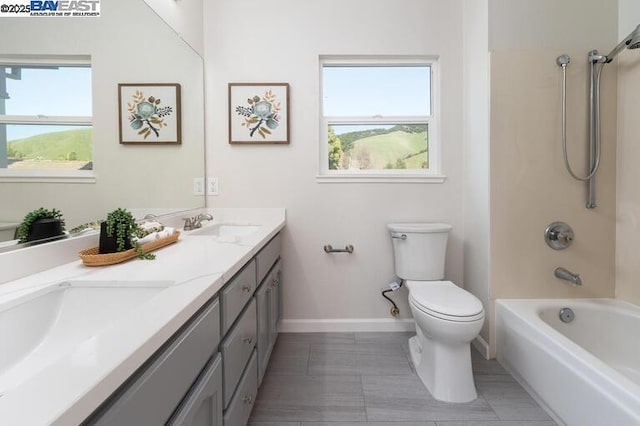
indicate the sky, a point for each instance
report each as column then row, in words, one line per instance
column 375, row 91
column 347, row 91
column 65, row 92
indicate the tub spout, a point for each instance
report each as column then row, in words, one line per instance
column 566, row 275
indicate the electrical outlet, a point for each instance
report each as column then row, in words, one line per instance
column 213, row 186
column 198, row 186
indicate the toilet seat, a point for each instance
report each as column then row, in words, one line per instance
column 445, row 300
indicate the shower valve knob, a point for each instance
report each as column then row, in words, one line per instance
column 558, row 235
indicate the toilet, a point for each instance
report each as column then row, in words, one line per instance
column 447, row 317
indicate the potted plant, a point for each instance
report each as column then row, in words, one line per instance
column 41, row 224
column 116, row 234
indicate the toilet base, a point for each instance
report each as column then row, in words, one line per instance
column 444, row 369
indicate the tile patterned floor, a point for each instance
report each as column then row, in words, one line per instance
column 366, row 379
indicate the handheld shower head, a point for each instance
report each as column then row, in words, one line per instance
column 632, row 41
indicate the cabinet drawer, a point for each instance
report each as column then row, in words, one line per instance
column 237, row 293
column 203, row 404
column 239, row 410
column 153, row 393
column 268, row 256
column 236, row 349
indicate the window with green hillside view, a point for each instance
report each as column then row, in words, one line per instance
column 45, row 115
column 377, row 116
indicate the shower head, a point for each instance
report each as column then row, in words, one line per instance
column 632, row 41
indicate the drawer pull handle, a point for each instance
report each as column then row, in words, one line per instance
column 247, row 399
column 246, row 288
column 247, row 340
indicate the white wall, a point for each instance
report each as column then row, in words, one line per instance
column 628, row 172
column 130, row 176
column 516, row 96
column 476, row 152
column 281, row 41
column 185, row 17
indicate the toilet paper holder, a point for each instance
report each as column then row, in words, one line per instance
column 329, row 249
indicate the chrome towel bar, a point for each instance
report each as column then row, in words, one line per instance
column 347, row 249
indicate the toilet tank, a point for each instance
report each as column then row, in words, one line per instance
column 419, row 250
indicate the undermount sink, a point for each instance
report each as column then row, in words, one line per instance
column 39, row 327
column 227, row 231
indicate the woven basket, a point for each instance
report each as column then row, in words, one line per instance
column 91, row 257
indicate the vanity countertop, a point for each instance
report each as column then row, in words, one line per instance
column 69, row 388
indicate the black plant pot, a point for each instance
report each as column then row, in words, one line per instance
column 44, row 229
column 110, row 244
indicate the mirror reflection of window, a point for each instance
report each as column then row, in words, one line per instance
column 45, row 115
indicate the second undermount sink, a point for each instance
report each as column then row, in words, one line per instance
column 39, row 327
column 227, row 231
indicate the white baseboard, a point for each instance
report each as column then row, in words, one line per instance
column 345, row 325
column 482, row 346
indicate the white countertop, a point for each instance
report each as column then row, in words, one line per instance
column 72, row 386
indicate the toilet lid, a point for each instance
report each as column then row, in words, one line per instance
column 419, row 227
column 444, row 298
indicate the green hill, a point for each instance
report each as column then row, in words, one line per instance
column 54, row 146
column 418, row 161
column 389, row 148
column 347, row 139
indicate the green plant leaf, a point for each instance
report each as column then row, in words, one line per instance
column 32, row 216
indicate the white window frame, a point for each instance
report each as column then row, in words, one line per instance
column 432, row 174
column 43, row 175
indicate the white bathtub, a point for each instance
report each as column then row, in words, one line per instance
column 586, row 372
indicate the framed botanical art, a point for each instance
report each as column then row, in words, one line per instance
column 258, row 113
column 149, row 113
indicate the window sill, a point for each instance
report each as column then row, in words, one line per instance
column 47, row 176
column 379, row 178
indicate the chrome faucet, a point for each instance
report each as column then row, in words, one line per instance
column 188, row 224
column 191, row 223
column 566, row 275
column 196, row 222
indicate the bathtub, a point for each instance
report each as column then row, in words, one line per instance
column 585, row 372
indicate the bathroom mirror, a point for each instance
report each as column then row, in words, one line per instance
column 129, row 43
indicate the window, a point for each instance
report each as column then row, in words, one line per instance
column 379, row 119
column 45, row 117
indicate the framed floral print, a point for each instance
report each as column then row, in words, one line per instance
column 149, row 113
column 258, row 113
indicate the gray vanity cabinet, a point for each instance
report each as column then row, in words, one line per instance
column 237, row 348
column 249, row 324
column 151, row 395
column 203, row 404
column 266, row 257
column 239, row 409
column 275, row 311
column 236, row 293
column 188, row 382
column 268, row 304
